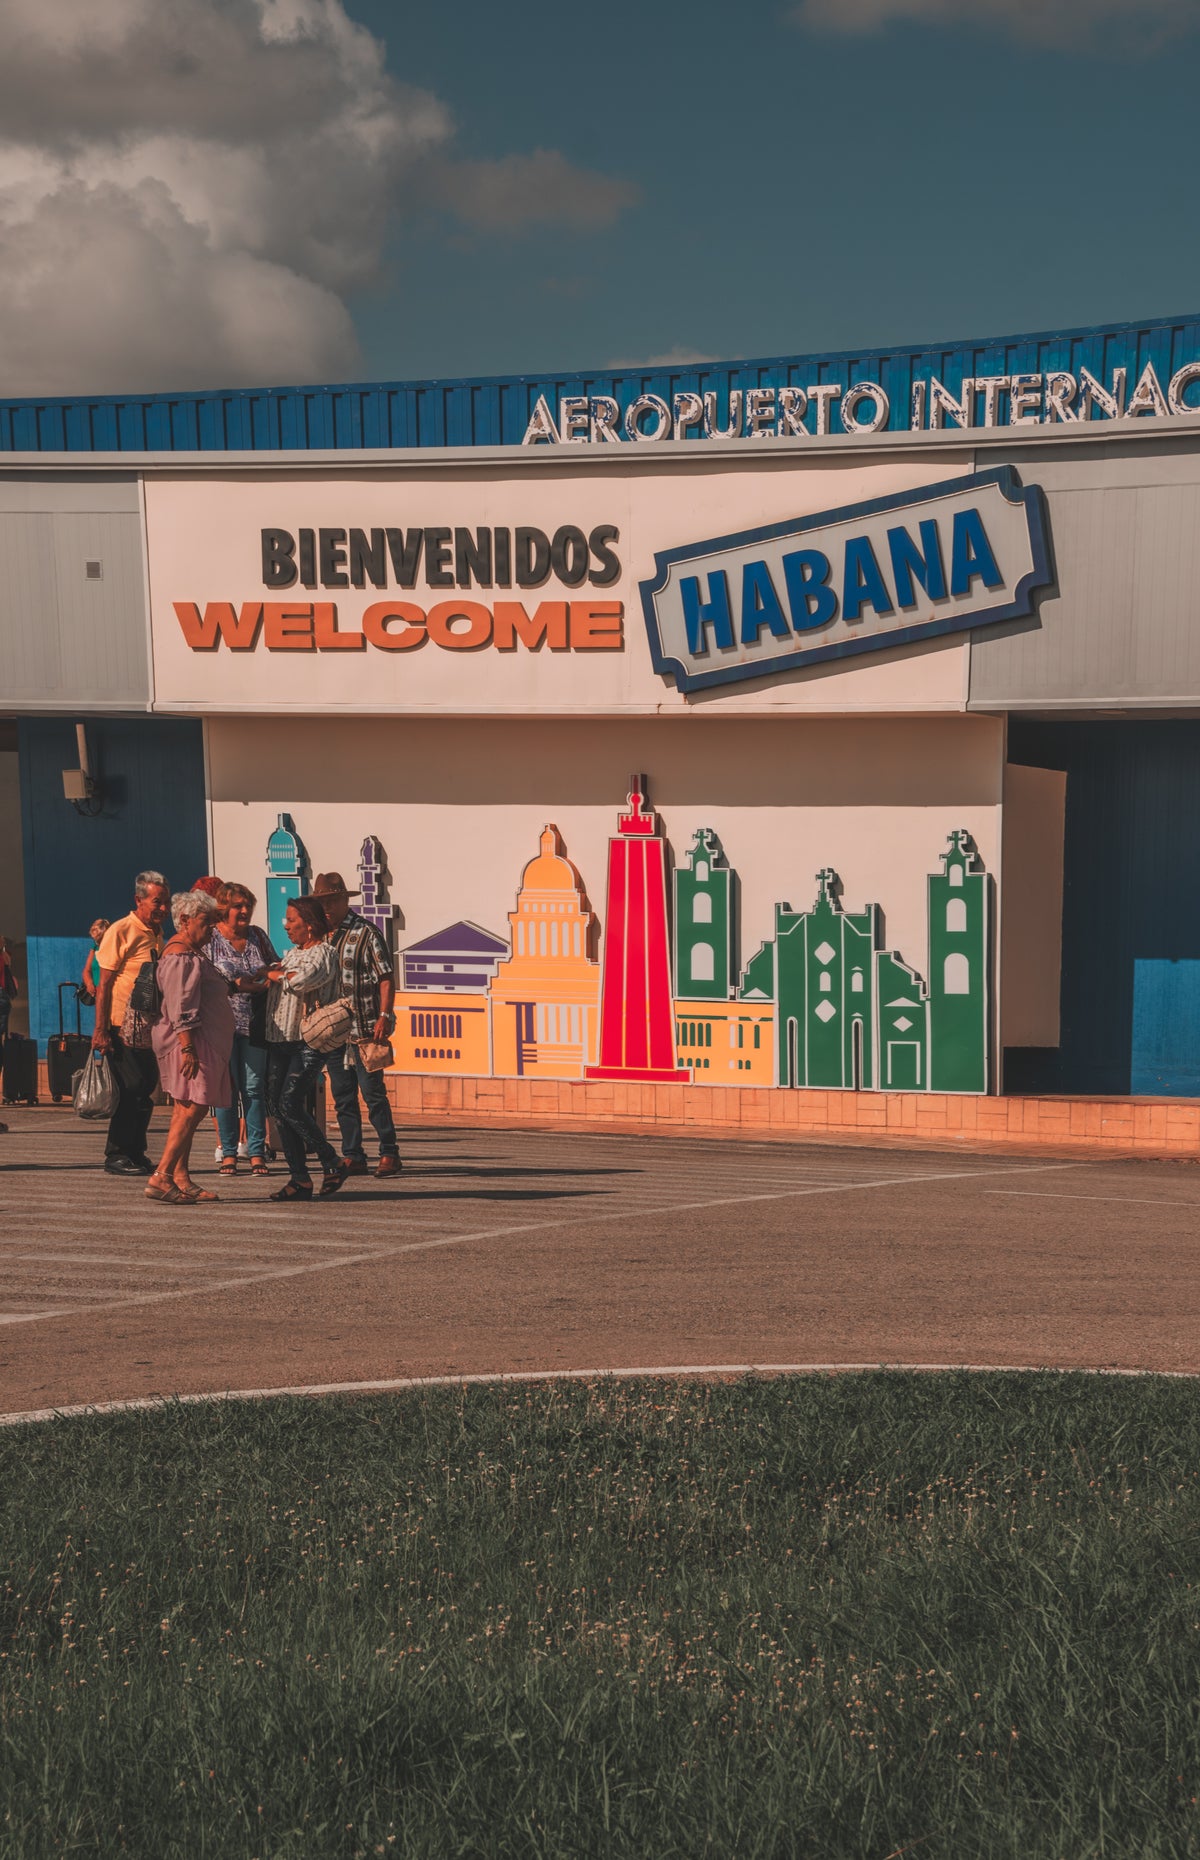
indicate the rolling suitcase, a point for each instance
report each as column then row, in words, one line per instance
column 19, row 1070
column 66, row 1053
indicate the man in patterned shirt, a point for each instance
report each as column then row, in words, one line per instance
column 370, row 987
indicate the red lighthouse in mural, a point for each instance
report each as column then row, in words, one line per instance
column 637, row 1034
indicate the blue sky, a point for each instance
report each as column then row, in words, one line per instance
column 796, row 189
column 218, row 193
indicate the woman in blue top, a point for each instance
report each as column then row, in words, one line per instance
column 243, row 953
column 91, row 968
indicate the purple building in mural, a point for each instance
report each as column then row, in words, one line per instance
column 459, row 960
column 371, row 865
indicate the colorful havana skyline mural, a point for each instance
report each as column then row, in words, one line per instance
column 655, row 994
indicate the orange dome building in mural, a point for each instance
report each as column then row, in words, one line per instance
column 546, row 997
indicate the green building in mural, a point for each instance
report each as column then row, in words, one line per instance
column 959, row 971
column 703, row 922
column 820, row 972
column 903, row 1025
column 852, row 1017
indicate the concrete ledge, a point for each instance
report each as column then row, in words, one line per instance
column 1116, row 1126
column 1149, row 1127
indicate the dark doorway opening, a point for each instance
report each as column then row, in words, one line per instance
column 1130, row 998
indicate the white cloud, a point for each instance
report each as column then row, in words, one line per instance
column 670, row 358
column 523, row 190
column 1139, row 23
column 189, row 187
column 107, row 289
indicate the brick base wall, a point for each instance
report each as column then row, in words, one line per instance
column 1138, row 1126
column 1151, row 1126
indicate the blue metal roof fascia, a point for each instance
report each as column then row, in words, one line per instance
column 1181, row 429
column 461, row 414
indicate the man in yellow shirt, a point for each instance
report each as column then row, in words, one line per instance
column 125, row 946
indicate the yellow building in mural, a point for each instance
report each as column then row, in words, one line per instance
column 546, row 997
column 442, row 1033
column 726, row 1042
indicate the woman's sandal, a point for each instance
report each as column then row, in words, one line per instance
column 258, row 1166
column 293, row 1191
column 229, row 1165
column 162, row 1191
column 193, row 1194
column 333, row 1179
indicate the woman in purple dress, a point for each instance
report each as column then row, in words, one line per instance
column 193, row 1039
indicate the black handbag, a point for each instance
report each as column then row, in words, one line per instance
column 145, row 997
column 257, row 1035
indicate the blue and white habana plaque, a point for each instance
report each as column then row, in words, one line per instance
column 867, row 577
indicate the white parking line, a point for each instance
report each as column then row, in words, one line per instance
column 578, row 1218
column 157, row 1236
column 90, row 1295
column 1134, row 1201
column 112, row 1262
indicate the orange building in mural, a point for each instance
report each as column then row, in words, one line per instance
column 545, row 998
column 726, row 1042
column 442, row 1033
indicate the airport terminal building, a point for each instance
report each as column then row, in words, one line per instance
column 716, row 743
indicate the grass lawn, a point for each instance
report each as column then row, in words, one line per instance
column 878, row 1615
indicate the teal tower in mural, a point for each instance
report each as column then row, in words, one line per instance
column 959, row 970
column 703, row 922
column 824, row 992
column 286, row 879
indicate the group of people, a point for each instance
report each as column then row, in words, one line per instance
column 217, row 1018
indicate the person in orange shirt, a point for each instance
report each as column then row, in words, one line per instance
column 126, row 947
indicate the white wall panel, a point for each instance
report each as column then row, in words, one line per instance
column 1123, row 628
column 67, row 641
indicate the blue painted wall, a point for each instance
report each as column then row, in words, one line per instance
column 1165, row 1060
column 496, row 410
column 1131, row 909
column 77, row 868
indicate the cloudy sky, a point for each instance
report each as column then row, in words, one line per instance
column 209, row 193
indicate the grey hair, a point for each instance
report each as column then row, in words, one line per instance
column 144, row 881
column 187, row 904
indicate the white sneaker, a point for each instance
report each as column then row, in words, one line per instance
column 218, row 1155
column 243, row 1152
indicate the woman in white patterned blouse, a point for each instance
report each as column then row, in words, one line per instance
column 307, row 976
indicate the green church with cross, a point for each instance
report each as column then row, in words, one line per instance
column 822, row 985
column 850, row 1016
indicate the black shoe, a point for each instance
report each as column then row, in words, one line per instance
column 293, row 1191
column 125, row 1165
column 143, row 1165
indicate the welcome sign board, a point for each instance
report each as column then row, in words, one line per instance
column 523, row 592
column 964, row 553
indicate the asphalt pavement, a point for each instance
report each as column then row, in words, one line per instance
column 518, row 1251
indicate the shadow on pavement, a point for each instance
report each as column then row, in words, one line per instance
column 473, row 1173
column 346, row 1196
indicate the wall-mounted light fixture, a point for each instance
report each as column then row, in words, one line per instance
column 80, row 785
